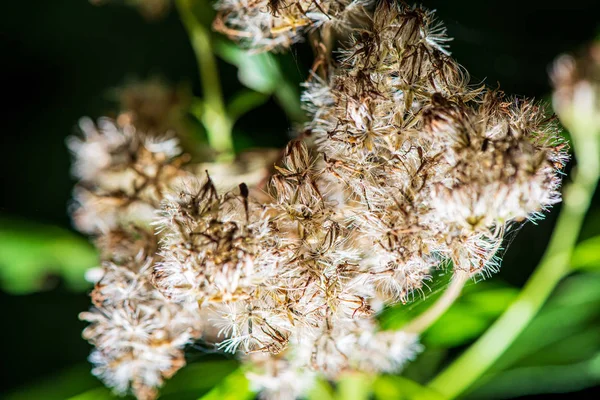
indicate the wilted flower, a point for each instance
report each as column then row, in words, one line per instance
column 576, row 83
column 277, row 24
column 153, row 106
column 409, row 168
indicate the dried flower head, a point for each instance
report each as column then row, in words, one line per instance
column 576, row 83
column 410, row 169
column 152, row 106
column 277, row 24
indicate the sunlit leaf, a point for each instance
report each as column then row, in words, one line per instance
column 196, row 379
column 29, row 253
column 321, row 390
column 489, row 300
column 541, row 379
column 572, row 308
column 258, row 72
column 470, row 315
column 100, row 393
column 353, row 386
column 586, row 255
column 234, row 387
column 399, row 388
column 261, row 72
column 457, row 326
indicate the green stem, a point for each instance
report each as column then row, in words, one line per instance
column 421, row 323
column 475, row 361
column 212, row 112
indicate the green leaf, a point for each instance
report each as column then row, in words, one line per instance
column 78, row 383
column 456, row 327
column 234, row 387
column 243, row 102
column 470, row 315
column 63, row 385
column 100, row 393
column 261, row 72
column 197, row 378
column 30, row 252
column 396, row 387
column 568, row 350
column 586, row 255
column 541, row 379
column 353, row 386
column 489, row 299
column 321, row 390
column 572, row 310
column 393, row 318
column 424, row 367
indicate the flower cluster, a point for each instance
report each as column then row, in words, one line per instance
column 406, row 167
column 277, row 24
column 138, row 335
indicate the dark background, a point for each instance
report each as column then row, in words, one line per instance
column 59, row 58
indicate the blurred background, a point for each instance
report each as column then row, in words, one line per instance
column 62, row 59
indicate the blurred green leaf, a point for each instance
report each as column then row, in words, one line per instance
column 393, row 318
column 30, row 252
column 234, row 387
column 470, row 315
column 541, row 379
column 399, row 388
column 573, row 307
column 196, row 379
column 586, row 255
column 474, row 311
column 577, row 290
column 424, row 367
column 489, row 299
column 100, row 393
column 261, row 72
column 456, row 327
column 558, row 351
column 78, row 383
column 63, row 385
column 245, row 101
column 572, row 349
column 321, row 390
column 590, row 225
column 353, row 386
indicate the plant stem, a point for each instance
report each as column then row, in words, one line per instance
column 476, row 360
column 421, row 323
column 212, row 112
